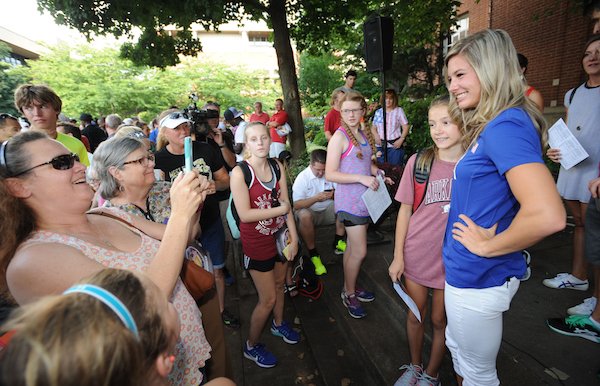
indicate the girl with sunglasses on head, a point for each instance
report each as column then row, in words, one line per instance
column 49, row 241
column 503, row 198
column 263, row 208
column 9, row 126
column 350, row 163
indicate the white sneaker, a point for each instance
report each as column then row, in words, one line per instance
column 586, row 308
column 566, row 280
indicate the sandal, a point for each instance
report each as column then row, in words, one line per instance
column 290, row 289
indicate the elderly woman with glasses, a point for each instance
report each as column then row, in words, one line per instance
column 125, row 171
column 49, row 240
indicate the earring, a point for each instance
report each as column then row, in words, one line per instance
column 121, row 188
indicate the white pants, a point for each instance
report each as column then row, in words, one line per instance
column 474, row 330
column 276, row 149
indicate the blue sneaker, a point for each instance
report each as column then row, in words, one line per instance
column 353, row 305
column 260, row 355
column 289, row 335
column 364, row 295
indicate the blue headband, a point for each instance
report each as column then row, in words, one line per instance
column 110, row 300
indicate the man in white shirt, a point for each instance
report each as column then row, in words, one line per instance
column 313, row 206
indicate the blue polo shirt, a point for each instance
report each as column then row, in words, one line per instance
column 480, row 191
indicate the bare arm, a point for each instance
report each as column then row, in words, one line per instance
column 541, row 213
column 221, row 179
column 396, row 268
column 375, row 133
column 241, row 198
column 335, row 148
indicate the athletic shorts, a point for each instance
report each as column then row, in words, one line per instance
column 261, row 265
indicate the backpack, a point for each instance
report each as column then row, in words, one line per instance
column 420, row 180
column 573, row 94
column 233, row 219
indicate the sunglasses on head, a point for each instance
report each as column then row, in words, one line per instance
column 173, row 115
column 60, row 162
column 5, row 116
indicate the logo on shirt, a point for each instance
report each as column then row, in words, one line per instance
column 199, row 165
column 438, row 191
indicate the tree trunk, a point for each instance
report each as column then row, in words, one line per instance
column 287, row 74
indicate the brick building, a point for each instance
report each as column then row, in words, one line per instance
column 550, row 33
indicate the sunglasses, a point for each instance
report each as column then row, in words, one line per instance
column 274, row 198
column 61, row 162
column 144, row 161
column 137, row 134
column 173, row 115
column 5, row 116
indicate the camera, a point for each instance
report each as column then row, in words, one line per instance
column 199, row 117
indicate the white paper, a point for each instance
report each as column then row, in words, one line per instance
column 571, row 151
column 377, row 201
column 408, row 300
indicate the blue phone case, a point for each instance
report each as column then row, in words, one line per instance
column 187, row 146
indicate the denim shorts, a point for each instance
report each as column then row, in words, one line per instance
column 213, row 240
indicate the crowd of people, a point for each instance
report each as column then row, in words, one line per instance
column 97, row 220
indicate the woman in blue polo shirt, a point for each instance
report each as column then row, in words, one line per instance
column 503, row 199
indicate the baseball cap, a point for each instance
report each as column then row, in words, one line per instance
column 232, row 113
column 173, row 120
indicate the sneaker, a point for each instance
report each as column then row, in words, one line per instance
column 566, row 280
column 410, row 376
column 289, row 335
column 364, row 295
column 229, row 320
column 353, row 305
column 527, row 258
column 319, row 267
column 586, row 308
column 340, row 247
column 260, row 355
column 427, row 380
column 575, row 325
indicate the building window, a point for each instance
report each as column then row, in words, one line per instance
column 258, row 38
column 457, row 32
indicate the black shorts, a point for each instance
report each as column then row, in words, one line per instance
column 350, row 220
column 261, row 265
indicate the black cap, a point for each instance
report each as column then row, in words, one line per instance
column 285, row 156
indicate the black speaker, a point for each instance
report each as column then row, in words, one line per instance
column 379, row 38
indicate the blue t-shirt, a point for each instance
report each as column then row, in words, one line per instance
column 480, row 191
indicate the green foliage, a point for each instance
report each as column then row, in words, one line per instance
column 317, row 79
column 8, row 83
column 99, row 82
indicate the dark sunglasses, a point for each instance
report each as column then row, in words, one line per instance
column 274, row 198
column 5, row 116
column 61, row 162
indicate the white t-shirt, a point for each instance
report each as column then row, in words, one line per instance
column 239, row 138
column 308, row 185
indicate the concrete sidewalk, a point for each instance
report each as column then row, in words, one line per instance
column 339, row 350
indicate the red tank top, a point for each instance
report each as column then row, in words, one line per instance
column 258, row 242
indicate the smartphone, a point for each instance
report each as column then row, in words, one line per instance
column 329, row 190
column 188, row 154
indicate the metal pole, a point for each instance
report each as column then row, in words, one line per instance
column 383, row 140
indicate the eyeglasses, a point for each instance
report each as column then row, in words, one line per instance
column 61, row 162
column 274, row 198
column 144, row 161
column 173, row 115
column 351, row 111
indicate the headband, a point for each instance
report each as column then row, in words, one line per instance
column 110, row 300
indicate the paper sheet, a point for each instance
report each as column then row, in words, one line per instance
column 377, row 201
column 571, row 151
column 408, row 300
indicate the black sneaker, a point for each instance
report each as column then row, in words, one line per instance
column 230, row 320
column 575, row 325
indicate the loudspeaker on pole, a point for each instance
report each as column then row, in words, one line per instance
column 378, row 40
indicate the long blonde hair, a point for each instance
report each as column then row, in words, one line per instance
column 354, row 96
column 493, row 57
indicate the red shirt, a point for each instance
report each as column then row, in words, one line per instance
column 281, row 118
column 258, row 242
column 262, row 117
column 333, row 120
